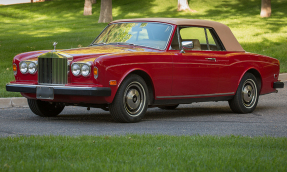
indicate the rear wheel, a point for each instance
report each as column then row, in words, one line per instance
column 45, row 109
column 168, row 107
column 247, row 94
column 131, row 100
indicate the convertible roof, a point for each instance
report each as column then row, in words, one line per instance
column 226, row 36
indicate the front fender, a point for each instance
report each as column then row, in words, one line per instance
column 156, row 65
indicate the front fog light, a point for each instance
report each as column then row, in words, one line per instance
column 76, row 70
column 85, row 70
column 24, row 68
column 32, row 68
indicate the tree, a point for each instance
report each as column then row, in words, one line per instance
column 106, row 15
column 88, row 7
column 94, row 1
column 265, row 8
column 182, row 5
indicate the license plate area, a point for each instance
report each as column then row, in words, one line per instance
column 45, row 93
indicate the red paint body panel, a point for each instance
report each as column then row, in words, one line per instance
column 196, row 75
column 158, row 65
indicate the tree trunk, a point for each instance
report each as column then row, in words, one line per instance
column 106, row 15
column 88, row 7
column 182, row 5
column 94, row 1
column 265, row 8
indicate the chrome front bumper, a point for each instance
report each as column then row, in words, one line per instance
column 61, row 90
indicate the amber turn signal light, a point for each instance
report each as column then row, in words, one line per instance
column 96, row 72
column 113, row 82
column 14, row 68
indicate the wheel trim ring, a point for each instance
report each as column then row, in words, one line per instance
column 249, row 93
column 134, row 109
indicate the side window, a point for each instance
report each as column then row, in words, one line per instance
column 203, row 38
column 214, row 42
column 210, row 38
column 188, row 33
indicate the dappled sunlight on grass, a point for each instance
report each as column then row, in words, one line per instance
column 45, row 33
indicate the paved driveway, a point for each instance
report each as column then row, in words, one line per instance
column 212, row 118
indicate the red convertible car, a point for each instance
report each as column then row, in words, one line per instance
column 148, row 62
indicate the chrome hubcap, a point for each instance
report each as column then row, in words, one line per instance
column 134, row 98
column 249, row 93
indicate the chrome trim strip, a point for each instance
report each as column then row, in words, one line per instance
column 54, row 86
column 191, row 96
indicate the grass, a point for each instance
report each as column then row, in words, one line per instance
column 29, row 27
column 143, row 153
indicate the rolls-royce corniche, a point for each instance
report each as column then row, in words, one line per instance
column 148, row 62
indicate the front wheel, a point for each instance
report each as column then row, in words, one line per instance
column 247, row 94
column 45, row 109
column 131, row 100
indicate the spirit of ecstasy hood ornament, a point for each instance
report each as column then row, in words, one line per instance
column 54, row 44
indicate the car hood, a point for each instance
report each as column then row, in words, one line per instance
column 85, row 53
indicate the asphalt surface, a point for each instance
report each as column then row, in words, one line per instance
column 209, row 118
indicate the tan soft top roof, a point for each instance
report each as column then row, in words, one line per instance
column 226, row 36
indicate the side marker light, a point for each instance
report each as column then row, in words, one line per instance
column 113, row 82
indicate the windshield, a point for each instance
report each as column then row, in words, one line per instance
column 154, row 35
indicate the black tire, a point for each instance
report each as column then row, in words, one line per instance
column 247, row 95
column 131, row 100
column 169, row 107
column 45, row 109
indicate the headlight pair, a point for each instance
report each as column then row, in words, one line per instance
column 83, row 69
column 28, row 67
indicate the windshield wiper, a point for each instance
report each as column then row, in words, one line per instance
column 101, row 43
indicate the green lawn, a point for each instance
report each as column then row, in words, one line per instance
column 28, row 27
column 143, row 153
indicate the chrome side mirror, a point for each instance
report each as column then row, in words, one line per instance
column 187, row 44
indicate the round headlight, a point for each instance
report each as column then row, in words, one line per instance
column 85, row 70
column 76, row 70
column 32, row 68
column 24, row 68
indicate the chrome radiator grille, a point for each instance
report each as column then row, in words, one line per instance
column 52, row 71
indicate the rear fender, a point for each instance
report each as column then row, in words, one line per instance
column 256, row 73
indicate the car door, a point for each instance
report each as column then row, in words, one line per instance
column 199, row 71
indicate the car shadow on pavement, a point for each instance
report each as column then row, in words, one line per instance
column 152, row 113
column 100, row 116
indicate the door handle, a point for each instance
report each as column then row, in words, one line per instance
column 212, row 59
